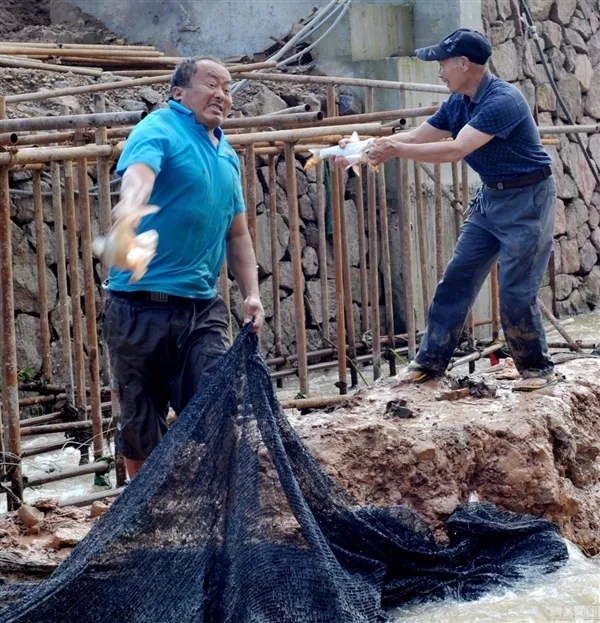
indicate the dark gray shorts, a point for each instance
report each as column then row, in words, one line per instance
column 159, row 355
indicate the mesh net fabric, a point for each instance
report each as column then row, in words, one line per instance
column 232, row 520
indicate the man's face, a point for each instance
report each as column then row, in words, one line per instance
column 208, row 95
column 452, row 72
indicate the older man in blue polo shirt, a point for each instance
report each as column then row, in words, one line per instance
column 168, row 330
column 512, row 216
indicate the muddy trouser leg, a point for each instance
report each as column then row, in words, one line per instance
column 474, row 255
column 526, row 242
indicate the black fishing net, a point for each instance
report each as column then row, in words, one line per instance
column 232, row 520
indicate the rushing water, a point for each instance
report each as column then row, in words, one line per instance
column 571, row 595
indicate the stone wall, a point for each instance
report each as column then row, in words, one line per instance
column 571, row 41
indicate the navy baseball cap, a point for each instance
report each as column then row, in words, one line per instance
column 462, row 42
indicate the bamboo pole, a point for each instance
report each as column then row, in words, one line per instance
column 322, row 229
column 40, row 249
column 86, row 500
column 386, row 265
column 292, row 196
column 407, row 257
column 61, row 267
column 274, row 253
column 316, row 403
column 90, row 306
column 71, row 121
column 439, row 222
column 362, row 253
column 422, row 238
column 456, row 190
column 495, row 294
column 373, row 253
column 10, row 392
column 338, row 259
column 63, row 69
column 79, row 370
column 339, row 81
column 17, row 50
column 63, row 427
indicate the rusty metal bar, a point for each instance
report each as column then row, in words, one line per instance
column 373, row 253
column 495, row 293
column 348, row 309
column 10, row 388
column 38, row 400
column 404, row 208
column 573, row 345
column 339, row 81
column 63, row 427
column 292, row 196
column 51, row 154
column 41, row 419
column 383, row 115
column 90, row 305
column 82, row 470
column 456, row 190
column 251, row 192
column 338, row 259
column 86, row 500
column 464, row 169
column 454, row 202
column 422, row 238
column 71, row 219
column 61, row 268
column 439, row 222
column 387, row 266
column 362, row 254
column 224, row 292
column 274, row 253
column 40, row 248
column 18, row 50
column 315, row 403
column 243, row 177
column 267, row 121
column 322, row 229
column 552, row 276
column 71, row 122
column 47, row 447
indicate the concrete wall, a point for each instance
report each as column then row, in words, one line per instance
column 189, row 27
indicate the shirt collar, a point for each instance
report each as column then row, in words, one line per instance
column 189, row 115
column 482, row 88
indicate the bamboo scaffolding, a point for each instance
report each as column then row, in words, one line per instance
column 90, row 306
column 422, row 238
column 40, row 252
column 439, row 222
column 362, row 254
column 292, row 197
column 386, row 266
column 322, row 253
column 338, row 259
column 71, row 222
column 373, row 253
column 404, row 208
column 10, row 392
column 276, row 324
column 339, row 81
column 71, row 121
column 63, row 69
column 61, row 268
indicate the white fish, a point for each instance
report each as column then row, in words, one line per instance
column 355, row 152
column 122, row 248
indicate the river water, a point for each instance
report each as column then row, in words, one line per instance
column 571, row 595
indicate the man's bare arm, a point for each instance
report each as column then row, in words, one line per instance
column 242, row 263
column 136, row 188
column 425, row 133
column 467, row 141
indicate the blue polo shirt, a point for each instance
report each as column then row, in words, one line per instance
column 499, row 109
column 198, row 191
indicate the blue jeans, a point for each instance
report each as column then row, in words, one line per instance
column 516, row 226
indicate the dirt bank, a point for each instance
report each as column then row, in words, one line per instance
column 530, row 453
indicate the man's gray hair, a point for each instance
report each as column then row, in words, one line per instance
column 184, row 72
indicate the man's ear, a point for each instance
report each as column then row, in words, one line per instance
column 465, row 63
column 177, row 93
